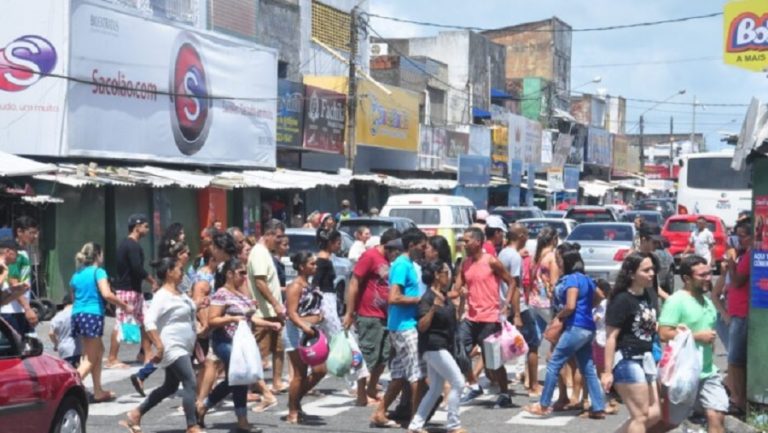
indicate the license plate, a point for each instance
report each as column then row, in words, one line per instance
column 723, row 205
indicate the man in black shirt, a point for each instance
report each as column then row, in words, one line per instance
column 127, row 285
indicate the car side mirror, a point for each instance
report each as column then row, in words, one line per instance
column 32, row 347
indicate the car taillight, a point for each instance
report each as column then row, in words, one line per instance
column 682, row 210
column 620, row 255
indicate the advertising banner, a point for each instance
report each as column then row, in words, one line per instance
column 515, row 172
column 576, row 156
column 324, row 120
column 532, row 145
column 479, row 139
column 517, row 125
column 531, row 185
column 621, row 165
column 431, row 148
column 599, row 147
column 456, row 144
column 562, row 149
column 33, row 47
column 290, row 113
column 760, row 254
column 571, row 178
column 390, row 121
column 499, row 151
column 744, row 32
column 633, row 159
column 555, row 181
column 474, row 170
column 156, row 92
column 546, row 147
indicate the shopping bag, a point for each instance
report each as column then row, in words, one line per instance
column 513, row 343
column 245, row 362
column 339, row 360
column 130, row 332
column 680, row 368
column 492, row 353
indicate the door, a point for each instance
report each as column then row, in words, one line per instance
column 20, row 393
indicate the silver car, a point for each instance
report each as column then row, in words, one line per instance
column 603, row 247
column 564, row 227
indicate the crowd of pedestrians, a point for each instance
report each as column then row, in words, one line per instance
column 410, row 307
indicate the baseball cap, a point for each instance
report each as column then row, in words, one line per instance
column 136, row 219
column 9, row 243
column 495, row 222
column 481, row 215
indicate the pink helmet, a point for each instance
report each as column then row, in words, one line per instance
column 313, row 350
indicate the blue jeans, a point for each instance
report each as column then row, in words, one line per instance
column 223, row 349
column 576, row 342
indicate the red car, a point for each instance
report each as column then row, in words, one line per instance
column 677, row 230
column 38, row 392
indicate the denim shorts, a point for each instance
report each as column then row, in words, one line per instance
column 530, row 330
column 630, row 371
column 737, row 341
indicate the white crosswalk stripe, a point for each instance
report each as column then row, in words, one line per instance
column 524, row 418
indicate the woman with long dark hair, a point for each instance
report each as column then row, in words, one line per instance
column 329, row 243
column 171, row 327
column 574, row 294
column 631, row 325
column 438, row 249
column 304, row 310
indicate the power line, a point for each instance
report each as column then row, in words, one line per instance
column 588, row 29
column 662, row 102
column 652, row 62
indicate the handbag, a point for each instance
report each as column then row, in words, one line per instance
column 554, row 330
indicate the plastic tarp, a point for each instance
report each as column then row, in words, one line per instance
column 13, row 165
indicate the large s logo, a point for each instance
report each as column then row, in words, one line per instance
column 191, row 106
column 25, row 61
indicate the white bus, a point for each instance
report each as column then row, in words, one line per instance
column 708, row 185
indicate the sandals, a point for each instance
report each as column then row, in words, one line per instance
column 385, row 423
column 133, row 427
column 116, row 365
column 537, row 410
column 566, row 407
column 200, row 411
column 110, row 396
column 592, row 415
column 265, row 405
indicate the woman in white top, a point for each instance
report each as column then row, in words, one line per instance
column 170, row 324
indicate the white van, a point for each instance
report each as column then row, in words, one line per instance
column 435, row 214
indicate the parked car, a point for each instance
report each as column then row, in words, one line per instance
column 603, row 247
column 554, row 214
column 663, row 205
column 377, row 225
column 38, row 392
column 564, row 227
column 653, row 219
column 584, row 214
column 678, row 228
column 301, row 239
column 514, row 213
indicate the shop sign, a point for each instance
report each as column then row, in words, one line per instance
column 599, row 147
column 745, row 30
column 157, row 92
column 324, row 120
column 499, row 150
column 290, row 113
column 555, row 181
column 474, row 170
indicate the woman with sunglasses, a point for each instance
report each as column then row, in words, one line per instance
column 228, row 307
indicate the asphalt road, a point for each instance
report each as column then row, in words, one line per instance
column 334, row 406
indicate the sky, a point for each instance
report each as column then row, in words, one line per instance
column 709, row 81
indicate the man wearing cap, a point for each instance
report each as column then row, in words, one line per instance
column 495, row 230
column 18, row 312
column 130, row 275
column 8, row 255
column 345, row 213
column 367, row 309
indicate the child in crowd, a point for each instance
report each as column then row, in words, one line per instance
column 598, row 344
column 61, row 334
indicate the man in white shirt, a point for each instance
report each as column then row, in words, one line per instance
column 702, row 241
column 362, row 234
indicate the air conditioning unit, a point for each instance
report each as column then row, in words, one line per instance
column 379, row 49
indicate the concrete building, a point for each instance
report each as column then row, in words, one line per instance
column 657, row 145
column 475, row 66
column 542, row 50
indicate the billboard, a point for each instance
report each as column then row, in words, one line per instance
column 744, row 32
column 324, row 120
column 599, row 147
column 431, row 148
column 155, row 92
column 456, row 144
column 387, row 120
column 474, row 170
column 532, row 144
column 499, row 151
column 290, row 113
column 621, row 162
column 33, row 51
column 517, row 125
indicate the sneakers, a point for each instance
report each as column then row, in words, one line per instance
column 471, row 394
column 502, row 402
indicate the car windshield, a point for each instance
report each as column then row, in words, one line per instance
column 534, row 227
column 598, row 232
column 597, row 215
column 653, row 205
column 299, row 242
column 512, row 215
column 687, row 226
column 421, row 216
column 653, row 219
column 717, row 174
column 376, row 227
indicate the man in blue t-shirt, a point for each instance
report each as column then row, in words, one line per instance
column 402, row 325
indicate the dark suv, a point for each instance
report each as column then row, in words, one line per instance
column 511, row 214
column 591, row 214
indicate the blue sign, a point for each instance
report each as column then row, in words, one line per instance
column 513, row 199
column 531, row 184
column 571, row 177
column 474, row 170
column 759, row 279
column 515, row 172
column 290, row 113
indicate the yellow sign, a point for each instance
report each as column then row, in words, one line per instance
column 746, row 34
column 383, row 120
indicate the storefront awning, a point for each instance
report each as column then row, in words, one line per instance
column 479, row 112
column 12, row 165
column 407, row 184
column 595, row 188
column 499, row 94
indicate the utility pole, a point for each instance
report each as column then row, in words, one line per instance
column 671, row 147
column 352, row 91
column 642, row 146
column 694, row 146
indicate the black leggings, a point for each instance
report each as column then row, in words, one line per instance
column 179, row 372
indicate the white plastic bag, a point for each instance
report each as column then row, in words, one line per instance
column 245, row 362
column 680, row 368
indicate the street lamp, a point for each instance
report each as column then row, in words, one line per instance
column 594, row 80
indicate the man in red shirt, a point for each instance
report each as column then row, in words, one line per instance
column 367, row 309
column 738, row 307
column 495, row 230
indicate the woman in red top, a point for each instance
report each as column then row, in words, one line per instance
column 738, row 307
